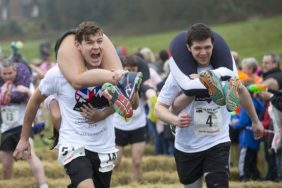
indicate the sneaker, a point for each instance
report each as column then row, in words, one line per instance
column 231, row 92
column 130, row 83
column 45, row 140
column 38, row 127
column 120, row 103
column 214, row 86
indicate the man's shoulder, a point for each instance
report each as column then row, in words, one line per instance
column 54, row 72
column 22, row 67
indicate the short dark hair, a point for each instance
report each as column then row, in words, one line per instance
column 85, row 29
column 163, row 54
column 129, row 61
column 274, row 57
column 198, row 32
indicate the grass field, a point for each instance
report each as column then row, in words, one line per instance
column 249, row 38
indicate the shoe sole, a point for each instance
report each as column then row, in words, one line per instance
column 120, row 103
column 232, row 95
column 137, row 83
column 208, row 79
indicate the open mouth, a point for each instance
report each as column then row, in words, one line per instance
column 95, row 55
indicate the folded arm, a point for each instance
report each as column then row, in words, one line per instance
column 72, row 65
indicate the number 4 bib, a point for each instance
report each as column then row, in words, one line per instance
column 207, row 120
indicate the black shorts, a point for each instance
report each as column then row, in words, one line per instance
column 130, row 137
column 192, row 166
column 234, row 135
column 87, row 167
column 10, row 139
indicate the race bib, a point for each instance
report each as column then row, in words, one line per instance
column 207, row 120
column 107, row 161
column 68, row 153
column 10, row 115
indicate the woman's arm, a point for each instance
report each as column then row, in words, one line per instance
column 181, row 102
column 71, row 64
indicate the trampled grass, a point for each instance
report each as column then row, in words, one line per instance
column 158, row 172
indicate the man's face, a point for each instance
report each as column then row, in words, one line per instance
column 8, row 73
column 92, row 50
column 247, row 69
column 202, row 51
column 267, row 63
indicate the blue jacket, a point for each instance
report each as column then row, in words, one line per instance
column 246, row 136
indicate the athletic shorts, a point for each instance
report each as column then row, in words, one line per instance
column 124, row 138
column 10, row 139
column 191, row 166
column 87, row 167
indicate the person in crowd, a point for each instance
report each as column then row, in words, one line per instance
column 202, row 140
column 132, row 131
column 154, row 129
column 249, row 67
column 249, row 146
column 272, row 80
column 13, row 107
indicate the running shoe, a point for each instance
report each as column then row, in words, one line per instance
column 214, row 86
column 120, row 103
column 130, row 83
column 45, row 140
column 121, row 94
column 231, row 88
column 38, row 127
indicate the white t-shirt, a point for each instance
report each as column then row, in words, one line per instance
column 75, row 131
column 137, row 121
column 12, row 115
column 210, row 124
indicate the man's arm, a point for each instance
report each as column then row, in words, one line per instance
column 93, row 115
column 23, row 147
column 163, row 113
column 247, row 104
column 269, row 83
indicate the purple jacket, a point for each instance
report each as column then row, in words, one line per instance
column 23, row 78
